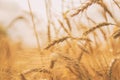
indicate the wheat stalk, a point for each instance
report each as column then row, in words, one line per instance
column 34, row 26
column 48, row 14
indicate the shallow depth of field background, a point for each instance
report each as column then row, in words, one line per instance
column 59, row 39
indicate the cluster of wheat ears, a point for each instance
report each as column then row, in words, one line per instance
column 91, row 55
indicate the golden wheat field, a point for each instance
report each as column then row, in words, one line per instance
column 59, row 39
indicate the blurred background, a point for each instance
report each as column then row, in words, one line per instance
column 13, row 10
column 15, row 17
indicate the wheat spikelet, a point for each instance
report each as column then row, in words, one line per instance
column 15, row 20
column 108, row 11
column 116, row 3
column 116, row 34
column 105, row 8
column 64, row 28
column 83, row 49
column 114, row 72
column 71, row 64
column 104, row 34
column 63, row 39
column 52, row 64
column 38, row 73
column 84, row 7
column 97, row 27
column 75, row 67
column 67, row 21
column 56, row 42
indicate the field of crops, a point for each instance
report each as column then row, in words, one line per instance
column 81, row 42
